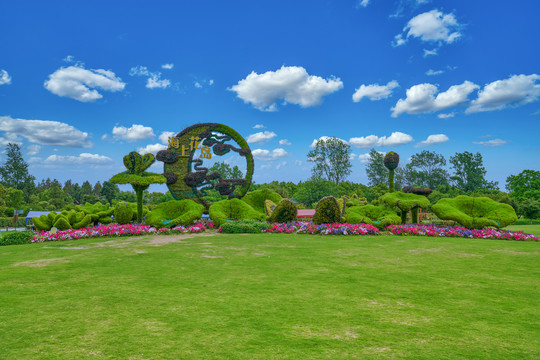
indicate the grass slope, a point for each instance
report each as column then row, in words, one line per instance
column 270, row 296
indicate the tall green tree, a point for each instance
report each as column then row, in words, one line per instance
column 226, row 171
column 525, row 185
column 14, row 173
column 315, row 189
column 97, row 188
column 469, row 172
column 332, row 159
column 86, row 188
column 376, row 172
column 427, row 169
column 109, row 191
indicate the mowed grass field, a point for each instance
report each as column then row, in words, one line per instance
column 270, row 296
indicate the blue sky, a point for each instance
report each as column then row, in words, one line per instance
column 83, row 83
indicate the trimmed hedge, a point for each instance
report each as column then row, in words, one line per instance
column 174, row 212
column 16, row 238
column 284, row 212
column 327, row 211
column 233, row 209
column 370, row 214
column 244, row 227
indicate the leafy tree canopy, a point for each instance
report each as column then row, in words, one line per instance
column 14, row 173
column 332, row 159
column 525, row 185
column 469, row 172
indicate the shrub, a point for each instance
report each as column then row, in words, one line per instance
column 42, row 223
column 355, row 202
column 233, row 209
column 16, row 238
column 327, row 211
column 123, row 213
column 244, row 227
column 84, row 222
column 284, row 212
column 256, row 199
column 174, row 212
column 374, row 215
column 61, row 223
column 269, row 207
column 475, row 212
column 342, row 202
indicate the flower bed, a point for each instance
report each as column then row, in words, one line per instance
column 303, row 227
column 487, row 233
column 116, row 230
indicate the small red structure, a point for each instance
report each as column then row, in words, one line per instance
column 307, row 213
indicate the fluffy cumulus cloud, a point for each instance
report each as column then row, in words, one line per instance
column 258, row 126
column 261, row 137
column 78, row 83
column 82, row 159
column 291, row 83
column 364, row 158
column 44, row 132
column 421, row 98
column 374, row 91
column 284, row 142
column 267, row 155
column 491, row 143
column 432, row 140
column 154, row 148
column 314, row 142
column 395, row 139
column 153, row 80
column 133, row 133
column 515, row 91
column 431, row 26
column 33, row 149
column 5, row 79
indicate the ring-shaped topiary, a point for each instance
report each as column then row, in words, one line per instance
column 186, row 178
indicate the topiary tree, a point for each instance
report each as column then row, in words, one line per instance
column 123, row 213
column 374, row 215
column 136, row 176
column 284, row 212
column 405, row 203
column 391, row 161
column 233, row 209
column 175, row 212
column 475, row 212
column 327, row 211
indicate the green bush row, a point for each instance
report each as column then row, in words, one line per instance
column 16, row 238
column 244, row 227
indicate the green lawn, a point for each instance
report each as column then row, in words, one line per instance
column 268, row 296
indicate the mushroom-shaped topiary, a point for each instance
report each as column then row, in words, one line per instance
column 475, row 212
column 405, row 203
column 136, row 176
column 391, row 161
column 233, row 209
column 327, row 211
column 175, row 212
column 284, row 212
column 374, row 215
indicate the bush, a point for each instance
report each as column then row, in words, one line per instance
column 123, row 213
column 244, row 227
column 327, row 211
column 233, row 209
column 269, row 207
column 61, row 223
column 16, row 238
column 256, row 199
column 174, row 212
column 284, row 212
column 374, row 215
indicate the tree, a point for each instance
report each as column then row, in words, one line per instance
column 86, row 188
column 109, row 191
column 530, row 208
column 97, row 188
column 525, row 185
column 332, row 159
column 469, row 172
column 315, row 189
column 14, row 173
column 376, row 172
column 427, row 169
column 226, row 171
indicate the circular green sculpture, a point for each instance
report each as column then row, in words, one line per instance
column 183, row 160
column 391, row 161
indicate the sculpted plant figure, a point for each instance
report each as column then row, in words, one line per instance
column 391, row 161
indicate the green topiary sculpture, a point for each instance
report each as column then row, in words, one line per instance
column 327, row 211
column 405, row 203
column 269, row 207
column 233, row 209
column 136, row 176
column 123, row 213
column 475, row 212
column 174, row 212
column 256, row 199
column 284, row 212
column 374, row 215
column 391, row 161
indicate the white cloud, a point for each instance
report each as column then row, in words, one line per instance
column 363, row 3
column 314, row 142
column 431, row 26
column 491, row 143
column 151, row 148
column 167, row 66
column 266, row 155
column 134, row 133
column 5, row 79
column 261, row 137
column 297, row 162
column 155, row 81
column 82, row 159
column 374, row 91
column 432, row 52
column 265, row 166
column 10, row 138
column 33, row 150
column 432, row 140
column 280, row 165
column 395, row 139
column 258, row 126
column 284, row 142
column 139, row 71
column 352, row 156
column 421, row 98
column 80, row 84
column 197, row 85
column 364, row 158
column 211, row 82
column 45, row 132
column 446, row 116
column 291, row 83
column 432, row 72
column 104, row 137
column 165, row 135
column 516, row 90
